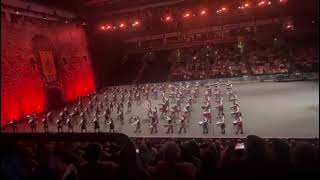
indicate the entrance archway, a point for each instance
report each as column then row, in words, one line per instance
column 54, row 98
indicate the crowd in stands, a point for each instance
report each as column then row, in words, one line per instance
column 217, row 62
column 160, row 159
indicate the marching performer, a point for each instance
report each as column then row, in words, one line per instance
column 118, row 107
column 49, row 117
column 148, row 106
column 220, row 106
column 33, row 122
column 172, row 115
column 105, row 97
column 111, row 125
column 217, row 93
column 154, row 124
column 189, row 101
column 45, row 124
column 229, row 85
column 122, row 97
column 163, row 109
column 14, row 125
column 95, row 98
column 222, row 124
column 238, row 123
column 137, row 123
column 111, row 106
column 101, row 105
column 80, row 105
column 130, row 96
column 138, row 98
column 207, row 114
column 59, row 124
column 236, row 109
column 73, row 115
column 182, row 124
column 155, row 93
column 96, row 124
column 106, row 115
column 83, row 123
column 209, row 91
column 91, row 106
column 129, row 106
column 121, row 117
column 114, row 97
column 204, row 124
column 97, row 111
column 188, row 108
column 216, row 85
column 169, row 125
column 86, row 111
column 70, row 125
column 186, row 114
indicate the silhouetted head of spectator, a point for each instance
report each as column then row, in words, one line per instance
column 280, row 151
column 304, row 156
column 171, row 152
column 255, row 147
column 210, row 157
column 92, row 153
column 190, row 149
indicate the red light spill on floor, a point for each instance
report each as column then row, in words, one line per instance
column 25, row 98
column 29, row 94
column 78, row 85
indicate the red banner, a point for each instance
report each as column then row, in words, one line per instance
column 48, row 66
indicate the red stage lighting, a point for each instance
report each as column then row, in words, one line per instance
column 186, row 15
column 168, row 18
column 222, row 10
column 203, row 12
column 136, row 23
column 122, row 25
column 102, row 27
column 246, row 5
column 283, row 1
column 108, row 27
column 262, row 3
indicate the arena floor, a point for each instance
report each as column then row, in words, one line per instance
column 270, row 110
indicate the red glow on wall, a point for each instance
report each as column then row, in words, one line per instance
column 26, row 97
column 23, row 90
column 78, row 85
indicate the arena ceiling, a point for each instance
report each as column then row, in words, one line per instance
column 82, row 6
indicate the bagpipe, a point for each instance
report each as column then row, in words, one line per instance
column 68, row 121
column 201, row 123
column 49, row 114
column 133, row 117
column 235, row 122
column 205, row 105
column 219, row 123
column 135, row 123
column 44, row 120
column 206, row 113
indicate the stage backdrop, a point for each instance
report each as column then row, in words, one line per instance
column 40, row 57
column 48, row 66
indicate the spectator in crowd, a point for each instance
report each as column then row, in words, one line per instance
column 95, row 169
column 168, row 168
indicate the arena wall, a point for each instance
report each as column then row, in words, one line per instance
column 25, row 84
